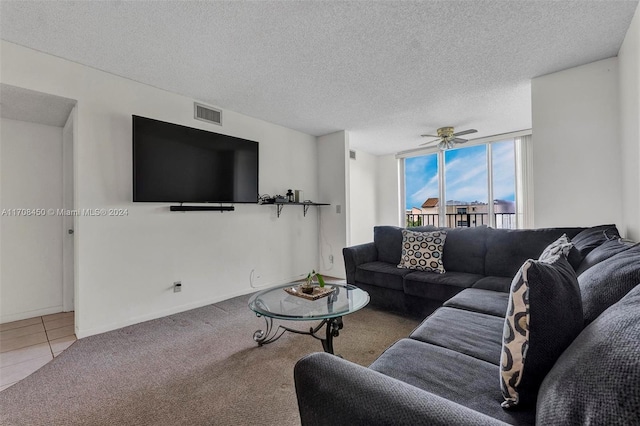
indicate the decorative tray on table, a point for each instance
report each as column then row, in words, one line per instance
column 318, row 292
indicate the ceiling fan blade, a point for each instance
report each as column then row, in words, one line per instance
column 430, row 142
column 459, row 140
column 429, row 136
column 465, row 132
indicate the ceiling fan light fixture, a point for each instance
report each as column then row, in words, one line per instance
column 448, row 137
column 445, row 132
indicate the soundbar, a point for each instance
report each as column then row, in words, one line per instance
column 202, row 208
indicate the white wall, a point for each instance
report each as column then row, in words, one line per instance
column 576, row 148
column 388, row 202
column 629, row 69
column 363, row 197
column 333, row 188
column 126, row 265
column 31, row 178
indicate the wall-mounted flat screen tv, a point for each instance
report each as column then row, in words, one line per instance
column 173, row 163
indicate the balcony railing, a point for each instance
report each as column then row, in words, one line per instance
column 464, row 220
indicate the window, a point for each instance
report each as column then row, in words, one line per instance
column 421, row 189
column 467, row 178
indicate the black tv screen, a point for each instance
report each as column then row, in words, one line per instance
column 173, row 163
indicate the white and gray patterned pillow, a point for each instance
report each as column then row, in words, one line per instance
column 560, row 246
column 423, row 250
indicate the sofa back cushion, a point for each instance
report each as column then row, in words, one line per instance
column 597, row 379
column 507, row 249
column 388, row 241
column 465, row 249
column 603, row 252
column 590, row 238
column 605, row 283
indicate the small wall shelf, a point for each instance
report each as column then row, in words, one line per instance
column 305, row 206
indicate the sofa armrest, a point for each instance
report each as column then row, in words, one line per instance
column 357, row 255
column 333, row 391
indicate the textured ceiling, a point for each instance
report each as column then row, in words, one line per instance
column 386, row 71
column 27, row 105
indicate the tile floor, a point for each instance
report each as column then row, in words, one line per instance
column 27, row 345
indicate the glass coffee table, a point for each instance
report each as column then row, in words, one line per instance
column 276, row 303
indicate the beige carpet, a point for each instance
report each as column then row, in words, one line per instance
column 199, row 367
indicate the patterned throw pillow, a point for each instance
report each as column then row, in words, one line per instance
column 543, row 318
column 423, row 250
column 560, row 246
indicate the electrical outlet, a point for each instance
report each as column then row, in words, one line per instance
column 331, row 259
column 177, row 286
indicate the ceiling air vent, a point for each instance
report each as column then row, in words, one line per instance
column 208, row 114
column 352, row 154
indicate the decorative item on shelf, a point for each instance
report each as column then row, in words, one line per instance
column 266, row 199
column 290, row 196
column 307, row 287
column 281, row 199
column 298, row 197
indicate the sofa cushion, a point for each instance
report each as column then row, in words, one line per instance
column 590, row 238
column 452, row 375
column 597, row 379
column 507, row 249
column 543, row 317
column 435, row 286
column 500, row 284
column 381, row 274
column 471, row 333
column 422, row 250
column 483, row 301
column 605, row 283
column 604, row 251
column 424, row 228
column 388, row 241
column 465, row 250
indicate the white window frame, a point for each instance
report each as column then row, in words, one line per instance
column 523, row 174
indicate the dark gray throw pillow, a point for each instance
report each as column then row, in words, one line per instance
column 605, row 283
column 597, row 379
column 590, row 238
column 603, row 252
column 543, row 318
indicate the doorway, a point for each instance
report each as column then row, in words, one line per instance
column 38, row 133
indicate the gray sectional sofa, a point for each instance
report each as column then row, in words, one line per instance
column 482, row 257
column 448, row 370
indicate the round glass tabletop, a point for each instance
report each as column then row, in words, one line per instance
column 277, row 303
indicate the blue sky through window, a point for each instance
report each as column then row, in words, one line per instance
column 466, row 175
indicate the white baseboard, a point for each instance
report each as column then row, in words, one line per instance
column 81, row 333
column 29, row 314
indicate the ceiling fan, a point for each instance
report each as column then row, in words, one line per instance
column 447, row 138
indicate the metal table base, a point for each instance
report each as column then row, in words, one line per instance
column 271, row 334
